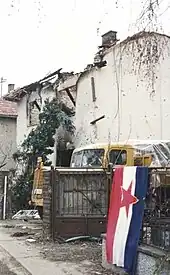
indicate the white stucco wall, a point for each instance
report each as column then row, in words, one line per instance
column 23, row 128
column 132, row 91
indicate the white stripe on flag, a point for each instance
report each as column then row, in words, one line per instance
column 123, row 223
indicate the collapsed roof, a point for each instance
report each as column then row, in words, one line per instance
column 51, row 79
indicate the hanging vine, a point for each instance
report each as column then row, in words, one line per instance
column 146, row 47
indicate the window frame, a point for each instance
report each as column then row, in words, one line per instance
column 121, row 152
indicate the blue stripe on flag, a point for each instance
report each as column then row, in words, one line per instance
column 137, row 217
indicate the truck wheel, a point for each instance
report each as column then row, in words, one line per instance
column 40, row 211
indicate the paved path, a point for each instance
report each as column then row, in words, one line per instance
column 20, row 259
column 9, row 266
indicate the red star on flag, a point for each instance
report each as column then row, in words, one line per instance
column 128, row 198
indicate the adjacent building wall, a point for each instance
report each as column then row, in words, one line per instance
column 7, row 142
column 132, row 91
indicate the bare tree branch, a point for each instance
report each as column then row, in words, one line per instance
column 2, row 165
column 5, row 154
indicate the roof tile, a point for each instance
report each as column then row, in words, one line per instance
column 8, row 108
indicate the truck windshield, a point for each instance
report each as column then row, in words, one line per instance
column 88, row 158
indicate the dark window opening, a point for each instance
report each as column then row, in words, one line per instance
column 118, row 157
column 64, row 158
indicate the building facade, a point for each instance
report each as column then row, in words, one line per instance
column 8, row 144
column 126, row 90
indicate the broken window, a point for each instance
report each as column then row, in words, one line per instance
column 34, row 111
column 88, row 158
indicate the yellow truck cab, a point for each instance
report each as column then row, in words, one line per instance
column 131, row 153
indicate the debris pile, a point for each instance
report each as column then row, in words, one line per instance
column 26, row 215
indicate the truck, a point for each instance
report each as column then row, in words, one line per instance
column 132, row 153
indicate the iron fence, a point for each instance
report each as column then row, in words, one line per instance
column 156, row 222
column 156, row 233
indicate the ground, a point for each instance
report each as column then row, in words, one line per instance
column 5, row 270
column 84, row 256
column 9, row 266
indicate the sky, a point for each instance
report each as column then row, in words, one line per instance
column 40, row 36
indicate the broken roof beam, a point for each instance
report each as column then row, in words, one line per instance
column 68, row 83
column 17, row 94
column 70, row 96
column 50, row 75
column 96, row 120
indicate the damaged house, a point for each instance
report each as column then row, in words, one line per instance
column 30, row 101
column 124, row 94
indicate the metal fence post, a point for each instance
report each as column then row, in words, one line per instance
column 5, row 197
column 53, row 202
column 109, row 185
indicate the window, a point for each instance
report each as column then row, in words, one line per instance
column 88, row 158
column 118, row 157
column 33, row 112
column 92, row 157
column 76, row 159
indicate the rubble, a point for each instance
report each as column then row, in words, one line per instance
column 31, row 240
column 26, row 215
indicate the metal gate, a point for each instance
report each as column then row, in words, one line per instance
column 79, row 201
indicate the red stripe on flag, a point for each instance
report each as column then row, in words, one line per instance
column 113, row 213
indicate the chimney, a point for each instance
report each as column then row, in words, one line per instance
column 109, row 39
column 11, row 87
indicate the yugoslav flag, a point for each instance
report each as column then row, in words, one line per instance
column 125, row 215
